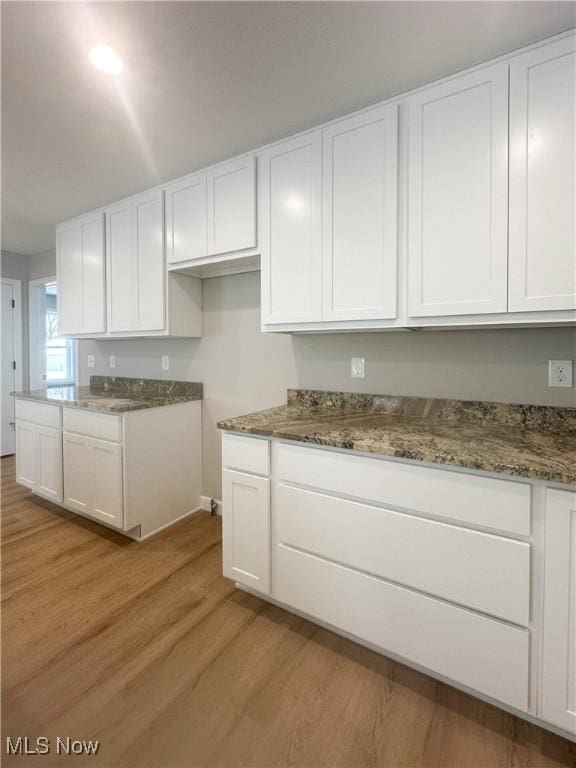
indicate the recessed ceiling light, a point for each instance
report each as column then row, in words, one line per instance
column 106, row 59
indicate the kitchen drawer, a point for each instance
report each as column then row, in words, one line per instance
column 43, row 414
column 476, row 651
column 247, row 454
column 478, row 570
column 502, row 505
column 103, row 426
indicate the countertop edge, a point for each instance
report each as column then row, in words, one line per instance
column 512, row 472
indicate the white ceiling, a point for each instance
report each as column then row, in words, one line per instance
column 207, row 80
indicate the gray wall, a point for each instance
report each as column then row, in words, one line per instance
column 244, row 370
column 25, row 268
column 15, row 267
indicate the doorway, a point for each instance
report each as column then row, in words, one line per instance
column 53, row 358
column 11, row 377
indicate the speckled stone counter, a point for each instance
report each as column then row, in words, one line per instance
column 521, row 440
column 117, row 394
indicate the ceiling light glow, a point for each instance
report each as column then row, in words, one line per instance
column 106, row 60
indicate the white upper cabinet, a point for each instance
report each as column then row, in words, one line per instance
column 458, row 195
column 291, row 231
column 80, row 267
column 542, row 178
column 135, row 248
column 360, row 167
column 150, row 300
column 186, row 233
column 120, row 267
column 232, row 206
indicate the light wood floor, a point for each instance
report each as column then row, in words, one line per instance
column 148, row 649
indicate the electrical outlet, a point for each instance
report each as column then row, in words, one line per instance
column 560, row 373
column 358, row 367
column 112, row 361
column 91, row 361
column 165, row 362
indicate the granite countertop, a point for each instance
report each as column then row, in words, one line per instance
column 117, row 394
column 521, row 440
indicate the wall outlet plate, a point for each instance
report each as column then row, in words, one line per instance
column 112, row 361
column 165, row 362
column 91, row 361
column 560, row 373
column 358, row 367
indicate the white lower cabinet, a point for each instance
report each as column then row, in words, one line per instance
column 93, row 477
column 39, row 459
column 559, row 649
column 430, row 565
column 246, row 529
column 137, row 472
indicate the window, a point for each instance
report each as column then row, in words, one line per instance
column 59, row 360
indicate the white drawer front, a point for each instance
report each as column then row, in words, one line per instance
column 247, row 454
column 476, row 651
column 499, row 504
column 103, row 426
column 45, row 415
column 478, row 570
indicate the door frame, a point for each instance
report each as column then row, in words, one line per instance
column 34, row 332
column 17, row 330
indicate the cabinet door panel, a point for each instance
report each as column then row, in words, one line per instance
column 93, row 275
column 360, row 216
column 106, row 481
column 246, row 529
column 26, row 454
column 458, row 196
column 186, row 219
column 120, row 266
column 542, row 178
column 149, row 262
column 70, row 278
column 291, row 231
column 50, row 464
column 559, row 652
column 232, row 206
column 76, row 456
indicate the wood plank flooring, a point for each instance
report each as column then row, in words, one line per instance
column 147, row 648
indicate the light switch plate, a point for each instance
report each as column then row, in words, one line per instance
column 91, row 361
column 165, row 362
column 112, row 361
column 560, row 373
column 358, row 367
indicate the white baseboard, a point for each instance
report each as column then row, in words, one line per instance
column 205, row 504
column 167, row 525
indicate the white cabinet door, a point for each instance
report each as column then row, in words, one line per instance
column 93, row 274
column 26, row 454
column 106, row 482
column 39, row 459
column 542, row 178
column 360, row 171
column 559, row 652
column 186, row 219
column 292, row 231
column 80, row 266
column 93, row 477
column 76, row 450
column 458, row 196
column 120, row 267
column 70, row 278
column 149, row 303
column 246, row 529
column 232, row 206
column 49, row 463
